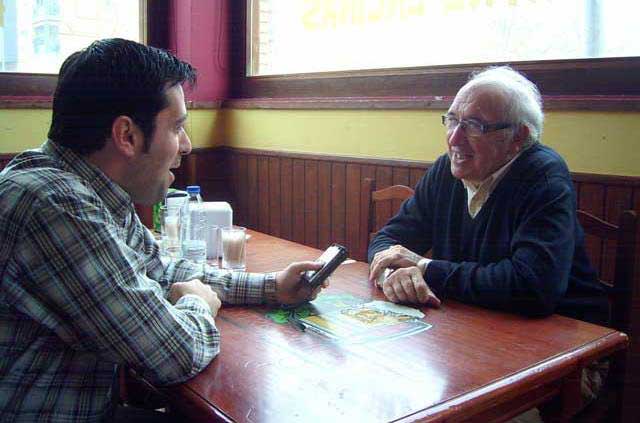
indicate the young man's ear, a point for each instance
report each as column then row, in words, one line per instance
column 127, row 137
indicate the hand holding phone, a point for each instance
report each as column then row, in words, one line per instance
column 331, row 259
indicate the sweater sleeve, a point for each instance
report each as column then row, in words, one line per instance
column 534, row 277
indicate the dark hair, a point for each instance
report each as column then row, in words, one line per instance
column 111, row 78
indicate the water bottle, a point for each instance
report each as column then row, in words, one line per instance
column 194, row 194
column 195, row 246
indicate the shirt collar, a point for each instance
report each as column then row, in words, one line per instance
column 115, row 197
column 478, row 194
column 492, row 180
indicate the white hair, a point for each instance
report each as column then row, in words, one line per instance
column 524, row 103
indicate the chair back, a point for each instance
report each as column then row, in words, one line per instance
column 372, row 199
column 623, row 234
column 613, row 400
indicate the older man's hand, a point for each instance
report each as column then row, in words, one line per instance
column 393, row 257
column 407, row 285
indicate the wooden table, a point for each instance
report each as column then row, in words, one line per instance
column 471, row 364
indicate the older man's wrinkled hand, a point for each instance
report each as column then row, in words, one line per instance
column 393, row 257
column 407, row 285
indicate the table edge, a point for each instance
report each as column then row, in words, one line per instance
column 541, row 374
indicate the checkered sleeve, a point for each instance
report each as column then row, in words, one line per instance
column 231, row 287
column 94, row 285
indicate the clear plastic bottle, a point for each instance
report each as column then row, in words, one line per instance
column 194, row 247
column 194, row 194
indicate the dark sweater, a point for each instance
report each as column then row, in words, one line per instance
column 523, row 252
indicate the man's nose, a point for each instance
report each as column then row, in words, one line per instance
column 457, row 135
column 185, row 144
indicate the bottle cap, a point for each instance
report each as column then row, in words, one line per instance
column 193, row 189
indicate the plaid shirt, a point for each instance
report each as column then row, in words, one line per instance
column 83, row 289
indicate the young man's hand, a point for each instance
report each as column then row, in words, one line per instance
column 195, row 287
column 291, row 288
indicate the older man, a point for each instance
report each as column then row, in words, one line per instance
column 498, row 213
column 83, row 290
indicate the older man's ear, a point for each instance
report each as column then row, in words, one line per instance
column 520, row 137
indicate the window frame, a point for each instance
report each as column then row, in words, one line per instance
column 34, row 90
column 577, row 84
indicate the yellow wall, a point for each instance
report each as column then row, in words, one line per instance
column 591, row 142
column 27, row 128
column 21, row 129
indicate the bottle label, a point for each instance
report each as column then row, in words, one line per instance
column 156, row 217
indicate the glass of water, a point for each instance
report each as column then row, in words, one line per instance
column 170, row 232
column 195, row 247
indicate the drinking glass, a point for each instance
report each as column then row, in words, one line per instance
column 234, row 251
column 170, row 232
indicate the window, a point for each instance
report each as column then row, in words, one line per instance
column 37, row 35
column 320, row 35
column 145, row 19
column 589, row 59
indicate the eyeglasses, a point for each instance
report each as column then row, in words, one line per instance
column 472, row 127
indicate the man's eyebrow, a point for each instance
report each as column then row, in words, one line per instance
column 182, row 119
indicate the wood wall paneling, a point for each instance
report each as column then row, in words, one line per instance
column 617, row 198
column 310, row 203
column 239, row 189
column 263, row 195
column 275, row 197
column 591, row 199
column 338, row 202
column 353, row 182
column 324, row 203
column 298, row 198
column 286, row 197
column 252, row 192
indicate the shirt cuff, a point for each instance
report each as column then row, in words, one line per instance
column 423, row 264
column 270, row 288
column 251, row 288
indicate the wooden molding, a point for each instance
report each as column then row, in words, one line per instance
column 589, row 103
column 25, row 103
column 391, row 103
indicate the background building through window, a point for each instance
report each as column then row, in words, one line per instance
column 37, row 35
column 335, row 35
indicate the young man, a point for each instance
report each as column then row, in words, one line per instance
column 82, row 287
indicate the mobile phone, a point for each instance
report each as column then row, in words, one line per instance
column 332, row 257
